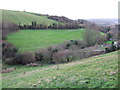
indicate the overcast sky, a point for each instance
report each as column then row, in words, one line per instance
column 74, row 9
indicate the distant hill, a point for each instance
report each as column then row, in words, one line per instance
column 104, row 21
column 23, row 17
column 62, row 19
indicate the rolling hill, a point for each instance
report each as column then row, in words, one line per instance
column 22, row 17
column 95, row 72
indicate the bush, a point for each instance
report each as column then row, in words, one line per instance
column 52, row 49
column 8, row 50
column 44, row 55
column 81, row 43
column 9, row 61
column 112, row 47
column 94, row 53
column 64, row 56
column 25, row 58
column 75, row 43
column 22, row 58
column 60, row 56
column 61, row 47
column 100, row 39
column 107, row 50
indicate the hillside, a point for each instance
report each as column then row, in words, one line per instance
column 95, row 72
column 25, row 17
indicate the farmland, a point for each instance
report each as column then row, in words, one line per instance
column 95, row 72
column 29, row 40
column 47, row 51
column 17, row 17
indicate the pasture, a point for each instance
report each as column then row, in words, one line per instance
column 25, row 17
column 30, row 40
column 95, row 72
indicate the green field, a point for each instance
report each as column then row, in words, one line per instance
column 30, row 40
column 25, row 17
column 95, row 72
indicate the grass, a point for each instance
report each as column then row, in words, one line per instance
column 0, row 74
column 95, row 72
column 30, row 40
column 108, row 42
column 25, row 17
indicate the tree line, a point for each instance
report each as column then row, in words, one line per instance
column 58, row 25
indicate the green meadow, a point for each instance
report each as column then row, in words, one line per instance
column 30, row 40
column 25, row 17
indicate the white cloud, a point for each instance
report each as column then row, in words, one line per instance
column 70, row 8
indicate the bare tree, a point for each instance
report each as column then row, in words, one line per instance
column 89, row 37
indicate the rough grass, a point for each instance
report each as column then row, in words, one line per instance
column 95, row 72
column 0, row 74
column 25, row 17
column 30, row 40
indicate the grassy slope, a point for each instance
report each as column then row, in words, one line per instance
column 0, row 81
column 25, row 17
column 95, row 72
column 29, row 40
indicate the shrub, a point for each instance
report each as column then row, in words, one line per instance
column 22, row 58
column 100, row 39
column 81, row 54
column 67, row 45
column 8, row 50
column 8, row 61
column 94, row 53
column 26, row 58
column 107, row 50
column 14, row 60
column 59, row 57
column 81, row 43
column 75, row 44
column 63, row 56
column 43, row 55
column 61, row 47
column 52, row 49
column 112, row 47
column 39, row 56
